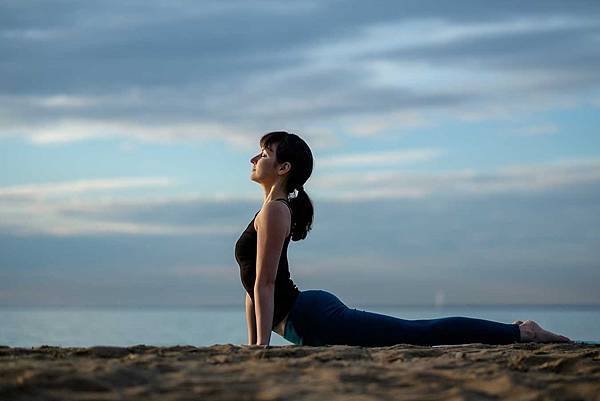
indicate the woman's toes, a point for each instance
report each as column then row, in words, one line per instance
column 565, row 339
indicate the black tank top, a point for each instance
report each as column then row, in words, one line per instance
column 285, row 289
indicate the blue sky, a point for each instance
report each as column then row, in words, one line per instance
column 456, row 146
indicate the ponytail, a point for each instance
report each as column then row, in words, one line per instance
column 302, row 215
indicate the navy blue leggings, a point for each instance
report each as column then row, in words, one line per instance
column 319, row 318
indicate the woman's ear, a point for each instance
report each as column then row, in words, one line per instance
column 285, row 167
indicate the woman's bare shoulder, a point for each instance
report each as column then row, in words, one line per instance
column 274, row 215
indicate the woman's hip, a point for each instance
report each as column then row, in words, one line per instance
column 313, row 313
column 319, row 304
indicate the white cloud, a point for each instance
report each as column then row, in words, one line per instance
column 415, row 33
column 365, row 125
column 49, row 218
column 75, row 227
column 31, row 209
column 40, row 208
column 62, row 226
column 539, row 130
column 65, row 188
column 77, row 129
column 347, row 77
column 32, row 34
column 360, row 193
column 393, row 184
column 380, row 158
column 65, row 101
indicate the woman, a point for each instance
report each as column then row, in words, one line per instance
column 318, row 317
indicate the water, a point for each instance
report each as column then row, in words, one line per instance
column 84, row 327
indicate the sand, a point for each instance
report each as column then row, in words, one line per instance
column 524, row 371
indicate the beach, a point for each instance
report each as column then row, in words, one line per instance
column 523, row 371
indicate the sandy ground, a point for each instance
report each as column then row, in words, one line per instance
column 230, row 372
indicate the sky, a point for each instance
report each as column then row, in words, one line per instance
column 456, row 148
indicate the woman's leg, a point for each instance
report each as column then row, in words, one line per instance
column 358, row 327
column 320, row 318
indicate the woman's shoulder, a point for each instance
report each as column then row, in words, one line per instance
column 286, row 201
column 274, row 209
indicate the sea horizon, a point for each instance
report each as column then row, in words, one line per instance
column 384, row 305
column 168, row 325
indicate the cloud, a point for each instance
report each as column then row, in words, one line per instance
column 52, row 208
column 364, row 126
column 65, row 188
column 47, row 220
column 69, row 131
column 47, row 208
column 512, row 247
column 155, row 71
column 394, row 184
column 218, row 72
column 369, row 159
column 539, row 130
column 418, row 33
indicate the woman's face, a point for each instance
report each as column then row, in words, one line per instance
column 264, row 165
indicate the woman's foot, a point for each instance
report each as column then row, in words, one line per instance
column 532, row 332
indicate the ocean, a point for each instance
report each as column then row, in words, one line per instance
column 205, row 326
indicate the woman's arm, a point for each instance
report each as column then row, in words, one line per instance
column 272, row 229
column 250, row 320
column 265, row 306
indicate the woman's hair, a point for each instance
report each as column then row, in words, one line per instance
column 291, row 148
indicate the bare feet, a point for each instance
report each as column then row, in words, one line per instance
column 532, row 332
